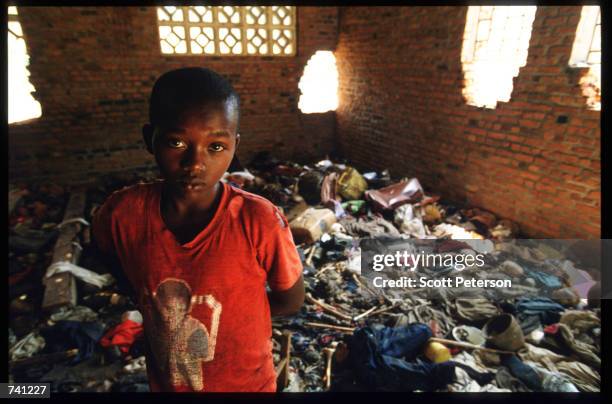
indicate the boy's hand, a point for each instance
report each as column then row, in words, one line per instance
column 288, row 301
column 111, row 262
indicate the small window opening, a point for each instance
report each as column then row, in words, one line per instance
column 495, row 45
column 319, row 84
column 22, row 105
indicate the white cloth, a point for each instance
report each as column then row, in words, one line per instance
column 84, row 274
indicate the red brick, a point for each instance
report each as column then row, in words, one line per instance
column 529, row 123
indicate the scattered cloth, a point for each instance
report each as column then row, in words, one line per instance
column 562, row 338
column 374, row 227
column 557, row 383
column 136, row 365
column 83, row 274
column 580, row 321
column 475, row 311
column 543, row 356
column 75, row 313
column 525, row 373
column 65, row 335
column 384, row 359
column 583, row 376
column 27, row 347
column 123, row 336
column 504, row 379
column 466, row 384
column 544, row 309
column 408, row 223
column 544, row 280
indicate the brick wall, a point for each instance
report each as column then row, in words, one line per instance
column 93, row 69
column 401, row 108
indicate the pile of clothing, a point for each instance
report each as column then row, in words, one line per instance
column 348, row 335
column 92, row 346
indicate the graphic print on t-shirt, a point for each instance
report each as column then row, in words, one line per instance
column 179, row 342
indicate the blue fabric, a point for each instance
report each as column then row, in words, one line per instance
column 547, row 310
column 402, row 342
column 523, row 372
column 384, row 359
column 67, row 334
column 545, row 280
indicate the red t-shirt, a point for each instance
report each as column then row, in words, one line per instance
column 204, row 303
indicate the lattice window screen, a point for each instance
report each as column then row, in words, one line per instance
column 227, row 30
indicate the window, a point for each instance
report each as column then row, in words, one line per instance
column 22, row 105
column 586, row 52
column 319, row 84
column 227, row 31
column 495, row 44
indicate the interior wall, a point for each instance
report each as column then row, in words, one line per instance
column 534, row 160
column 93, row 69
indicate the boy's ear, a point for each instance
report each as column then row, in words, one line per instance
column 147, row 136
column 237, row 139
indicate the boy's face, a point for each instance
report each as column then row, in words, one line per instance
column 194, row 151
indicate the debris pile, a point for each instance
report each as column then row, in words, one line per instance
column 348, row 336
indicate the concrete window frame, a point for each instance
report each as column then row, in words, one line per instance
column 227, row 30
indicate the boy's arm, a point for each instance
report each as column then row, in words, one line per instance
column 113, row 264
column 287, row 302
column 102, row 246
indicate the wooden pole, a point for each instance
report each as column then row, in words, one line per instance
column 460, row 344
column 40, row 359
column 282, row 372
column 60, row 289
column 327, row 307
column 364, row 314
column 348, row 330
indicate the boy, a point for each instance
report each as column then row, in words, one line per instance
column 196, row 252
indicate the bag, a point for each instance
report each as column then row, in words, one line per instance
column 351, row 185
column 310, row 225
column 395, row 195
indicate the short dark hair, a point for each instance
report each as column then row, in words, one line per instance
column 180, row 90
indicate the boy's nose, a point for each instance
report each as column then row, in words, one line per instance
column 195, row 160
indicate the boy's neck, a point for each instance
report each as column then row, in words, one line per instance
column 185, row 203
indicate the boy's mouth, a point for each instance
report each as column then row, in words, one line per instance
column 191, row 183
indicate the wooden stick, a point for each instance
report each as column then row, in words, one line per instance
column 357, row 281
column 325, row 268
column 364, row 314
column 308, row 260
column 282, row 372
column 327, row 307
column 38, row 359
column 384, row 309
column 467, row 345
column 329, row 354
column 348, row 330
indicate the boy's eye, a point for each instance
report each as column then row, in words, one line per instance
column 175, row 143
column 217, row 147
